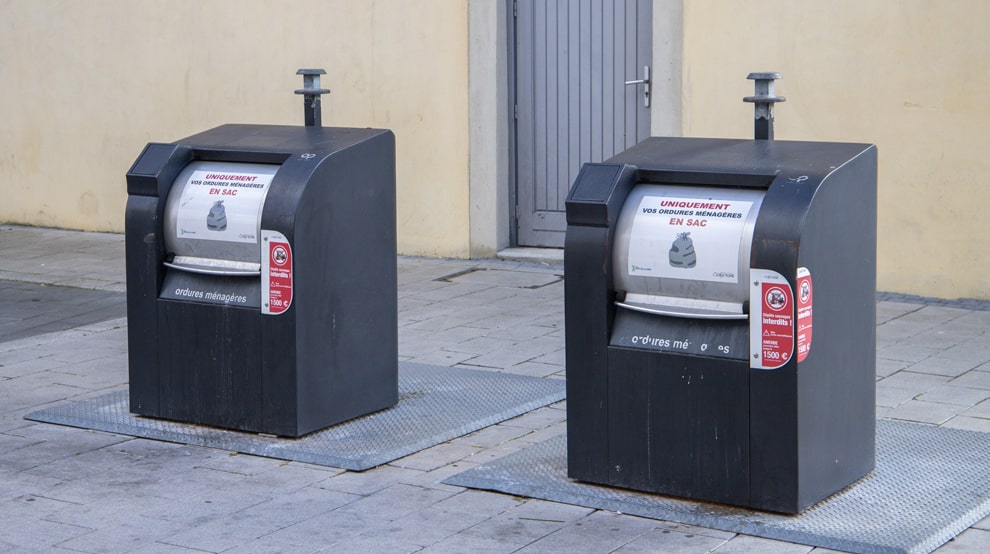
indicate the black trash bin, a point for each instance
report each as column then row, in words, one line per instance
column 261, row 277
column 698, row 271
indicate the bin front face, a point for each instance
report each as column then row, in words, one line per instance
column 694, row 281
column 220, row 259
column 677, row 355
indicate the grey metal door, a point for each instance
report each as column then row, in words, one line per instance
column 572, row 61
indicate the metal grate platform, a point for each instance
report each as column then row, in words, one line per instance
column 930, row 484
column 436, row 404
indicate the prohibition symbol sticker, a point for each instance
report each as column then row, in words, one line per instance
column 280, row 255
column 775, row 298
column 276, row 273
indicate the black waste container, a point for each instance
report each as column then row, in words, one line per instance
column 261, row 277
column 698, row 273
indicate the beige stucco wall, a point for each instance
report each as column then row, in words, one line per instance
column 911, row 76
column 85, row 85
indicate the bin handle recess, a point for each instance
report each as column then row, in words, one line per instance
column 206, row 266
column 680, row 312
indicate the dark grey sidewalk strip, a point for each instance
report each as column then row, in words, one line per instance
column 961, row 303
column 28, row 309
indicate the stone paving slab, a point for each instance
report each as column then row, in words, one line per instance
column 73, row 490
column 64, row 258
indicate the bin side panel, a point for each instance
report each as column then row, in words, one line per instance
column 148, row 182
column 588, row 315
column 144, row 251
column 837, row 381
column 774, row 440
column 279, row 376
column 593, row 206
column 773, row 393
column 346, row 279
column 279, row 354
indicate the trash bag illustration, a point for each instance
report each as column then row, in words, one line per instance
column 217, row 219
column 682, row 252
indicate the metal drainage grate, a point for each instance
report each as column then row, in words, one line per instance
column 502, row 278
column 436, row 404
column 930, row 484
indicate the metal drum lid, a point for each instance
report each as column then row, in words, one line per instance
column 213, row 217
column 684, row 250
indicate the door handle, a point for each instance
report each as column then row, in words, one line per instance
column 645, row 81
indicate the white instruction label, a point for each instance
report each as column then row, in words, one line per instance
column 687, row 238
column 223, row 206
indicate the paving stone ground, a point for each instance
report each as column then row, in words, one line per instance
column 73, row 490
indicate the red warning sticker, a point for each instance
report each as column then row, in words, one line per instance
column 804, row 312
column 771, row 320
column 276, row 273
